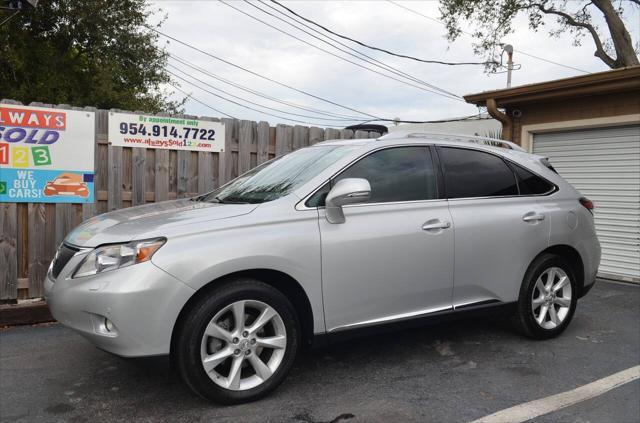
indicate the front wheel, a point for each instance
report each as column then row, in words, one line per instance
column 548, row 298
column 238, row 342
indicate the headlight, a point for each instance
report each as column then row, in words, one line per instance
column 115, row 256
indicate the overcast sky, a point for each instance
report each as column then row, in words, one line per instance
column 220, row 30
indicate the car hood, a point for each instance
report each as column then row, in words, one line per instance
column 134, row 222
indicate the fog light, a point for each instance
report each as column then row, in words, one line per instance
column 108, row 325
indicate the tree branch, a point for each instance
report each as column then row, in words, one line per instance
column 625, row 53
column 584, row 8
column 600, row 51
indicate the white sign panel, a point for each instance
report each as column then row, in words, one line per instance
column 130, row 130
column 46, row 155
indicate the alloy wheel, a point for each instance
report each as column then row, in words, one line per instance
column 243, row 345
column 551, row 298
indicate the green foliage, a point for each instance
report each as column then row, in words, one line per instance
column 492, row 21
column 85, row 53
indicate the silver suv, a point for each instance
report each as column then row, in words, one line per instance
column 327, row 242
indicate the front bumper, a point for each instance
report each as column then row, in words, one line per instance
column 142, row 301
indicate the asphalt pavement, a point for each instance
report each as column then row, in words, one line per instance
column 453, row 372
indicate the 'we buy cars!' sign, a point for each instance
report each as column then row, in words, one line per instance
column 46, row 155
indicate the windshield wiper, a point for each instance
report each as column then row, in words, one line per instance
column 225, row 201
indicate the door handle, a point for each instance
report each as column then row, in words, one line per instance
column 431, row 225
column 532, row 217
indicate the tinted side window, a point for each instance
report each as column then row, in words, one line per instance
column 530, row 183
column 317, row 199
column 396, row 174
column 472, row 173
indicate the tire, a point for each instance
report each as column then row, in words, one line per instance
column 224, row 344
column 531, row 318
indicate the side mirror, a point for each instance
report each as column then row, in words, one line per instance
column 346, row 191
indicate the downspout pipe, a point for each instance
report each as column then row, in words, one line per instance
column 507, row 122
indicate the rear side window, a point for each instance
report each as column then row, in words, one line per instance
column 530, row 183
column 472, row 173
column 396, row 174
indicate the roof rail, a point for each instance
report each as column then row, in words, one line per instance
column 491, row 142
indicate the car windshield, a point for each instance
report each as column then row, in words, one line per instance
column 277, row 177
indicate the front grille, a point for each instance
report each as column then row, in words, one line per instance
column 61, row 259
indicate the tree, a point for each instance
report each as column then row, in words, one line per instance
column 85, row 53
column 494, row 20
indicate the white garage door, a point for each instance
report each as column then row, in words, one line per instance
column 604, row 165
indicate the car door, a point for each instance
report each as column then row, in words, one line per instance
column 392, row 258
column 498, row 231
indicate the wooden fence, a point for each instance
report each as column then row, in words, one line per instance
column 129, row 176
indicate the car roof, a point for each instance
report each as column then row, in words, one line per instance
column 405, row 137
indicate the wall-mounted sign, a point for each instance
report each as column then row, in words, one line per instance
column 129, row 130
column 46, row 155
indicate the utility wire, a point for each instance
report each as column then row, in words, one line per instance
column 258, row 93
column 367, row 58
column 404, row 56
column 550, row 61
column 468, row 33
column 266, row 78
column 451, row 96
column 465, row 118
column 286, row 118
column 245, row 106
column 254, row 103
column 373, row 117
column 200, row 101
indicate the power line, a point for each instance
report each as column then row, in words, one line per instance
column 468, row 33
column 550, row 61
column 286, row 118
column 373, row 117
column 439, row 91
column 418, row 13
column 245, row 106
column 367, row 58
column 254, row 103
column 404, row 56
column 200, row 101
column 466, row 118
column 448, row 95
column 266, row 78
column 258, row 93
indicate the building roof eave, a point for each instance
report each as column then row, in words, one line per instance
column 607, row 82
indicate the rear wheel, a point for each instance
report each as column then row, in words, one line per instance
column 238, row 342
column 548, row 298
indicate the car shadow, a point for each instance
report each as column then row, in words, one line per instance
column 430, row 342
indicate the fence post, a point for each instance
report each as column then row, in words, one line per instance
column 315, row 135
column 331, row 134
column 262, row 142
column 245, row 140
column 346, row 134
column 8, row 252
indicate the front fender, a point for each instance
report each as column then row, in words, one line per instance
column 291, row 247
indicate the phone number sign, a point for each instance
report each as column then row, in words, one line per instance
column 130, row 130
column 46, row 155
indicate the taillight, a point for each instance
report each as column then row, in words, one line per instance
column 587, row 204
